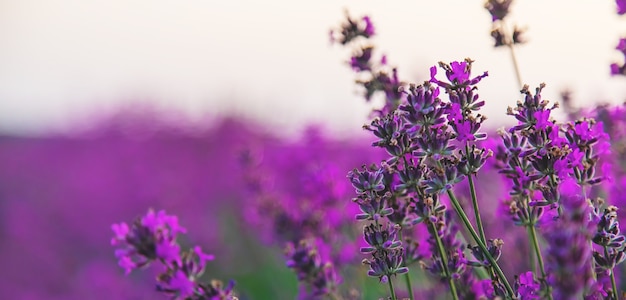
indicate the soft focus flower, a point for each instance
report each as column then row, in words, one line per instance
column 498, row 9
column 621, row 7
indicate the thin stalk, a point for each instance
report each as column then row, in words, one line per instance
column 533, row 237
column 407, row 275
column 614, row 285
column 481, row 245
column 479, row 222
column 444, row 262
column 407, row 279
column 513, row 56
column 515, row 65
column 531, row 254
column 391, row 290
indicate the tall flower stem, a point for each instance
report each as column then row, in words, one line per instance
column 613, row 284
column 511, row 46
column 407, row 275
column 479, row 221
column 444, row 262
column 472, row 187
column 535, row 242
column 391, row 290
column 515, row 65
column 407, row 279
column 481, row 245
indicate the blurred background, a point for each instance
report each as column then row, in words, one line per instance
column 108, row 108
column 67, row 63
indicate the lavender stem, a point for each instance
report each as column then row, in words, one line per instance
column 444, row 262
column 533, row 237
column 481, row 245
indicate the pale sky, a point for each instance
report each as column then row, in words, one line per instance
column 62, row 62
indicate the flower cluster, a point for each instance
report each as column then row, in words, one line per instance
column 319, row 278
column 374, row 75
column 499, row 10
column 432, row 147
column 152, row 239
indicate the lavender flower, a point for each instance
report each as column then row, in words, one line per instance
column 353, row 29
column 386, row 263
column 498, row 9
column 458, row 73
column 527, row 287
column 150, row 238
column 621, row 7
column 617, row 69
column 318, row 278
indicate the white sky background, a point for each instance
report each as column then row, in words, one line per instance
column 63, row 62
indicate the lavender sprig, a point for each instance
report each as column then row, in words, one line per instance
column 152, row 239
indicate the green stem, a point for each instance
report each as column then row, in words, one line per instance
column 481, row 245
column 444, row 262
column 515, row 65
column 407, row 279
column 479, row 222
column 391, row 290
column 513, row 56
column 407, row 276
column 534, row 240
column 531, row 255
column 615, row 291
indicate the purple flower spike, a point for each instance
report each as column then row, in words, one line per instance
column 153, row 237
column 458, row 73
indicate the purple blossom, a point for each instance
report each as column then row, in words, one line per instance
column 458, row 73
column 152, row 237
column 621, row 7
column 527, row 286
column 498, row 9
column 369, row 27
column 543, row 119
column 183, row 284
column 617, row 69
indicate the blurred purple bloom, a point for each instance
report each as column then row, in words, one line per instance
column 617, row 69
column 181, row 282
column 527, row 287
column 369, row 27
column 621, row 6
column 498, row 9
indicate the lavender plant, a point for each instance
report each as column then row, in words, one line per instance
column 538, row 156
column 151, row 239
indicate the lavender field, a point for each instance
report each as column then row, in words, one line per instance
column 428, row 201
